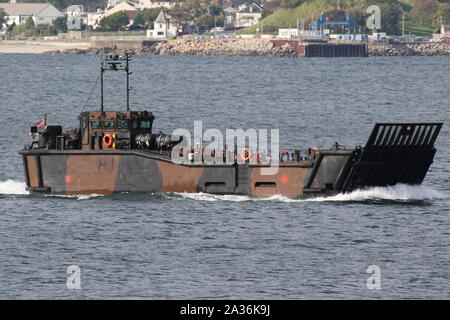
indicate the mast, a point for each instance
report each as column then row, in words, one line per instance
column 114, row 62
column 101, row 90
column 127, row 69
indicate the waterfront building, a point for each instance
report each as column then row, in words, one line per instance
column 113, row 3
column 288, row 33
column 164, row 27
column 230, row 16
column 124, row 6
column 18, row 13
column 94, row 18
column 151, row 4
column 248, row 15
column 75, row 15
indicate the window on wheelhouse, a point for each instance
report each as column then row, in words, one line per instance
column 96, row 125
column 146, row 124
column 122, row 124
column 108, row 124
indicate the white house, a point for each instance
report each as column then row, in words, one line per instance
column 230, row 16
column 163, row 27
column 128, row 7
column 113, row 3
column 288, row 32
column 40, row 12
column 94, row 18
column 151, row 4
column 75, row 15
column 123, row 6
column 248, row 15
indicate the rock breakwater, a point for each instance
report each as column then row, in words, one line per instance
column 411, row 49
column 255, row 47
column 234, row 47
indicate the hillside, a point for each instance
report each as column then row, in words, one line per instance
column 423, row 17
column 422, row 20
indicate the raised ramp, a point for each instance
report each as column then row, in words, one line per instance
column 394, row 153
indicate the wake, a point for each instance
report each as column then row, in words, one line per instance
column 12, row 187
column 400, row 192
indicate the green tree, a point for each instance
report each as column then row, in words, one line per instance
column 270, row 7
column 43, row 30
column 25, row 29
column 187, row 11
column 29, row 23
column 390, row 17
column 204, row 13
column 423, row 11
column 205, row 22
column 145, row 18
column 215, row 10
column 114, row 22
column 290, row 3
column 2, row 18
column 181, row 13
column 29, row 29
column 444, row 13
column 60, row 24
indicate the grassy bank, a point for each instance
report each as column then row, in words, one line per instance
column 285, row 18
column 311, row 10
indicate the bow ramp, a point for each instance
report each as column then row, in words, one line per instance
column 394, row 153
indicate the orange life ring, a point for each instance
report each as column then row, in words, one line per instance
column 246, row 154
column 108, row 140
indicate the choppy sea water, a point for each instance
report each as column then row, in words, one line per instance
column 200, row 246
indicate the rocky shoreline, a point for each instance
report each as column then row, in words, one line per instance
column 413, row 49
column 256, row 47
column 247, row 47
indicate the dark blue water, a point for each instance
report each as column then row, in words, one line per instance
column 216, row 247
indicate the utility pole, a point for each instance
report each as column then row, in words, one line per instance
column 403, row 25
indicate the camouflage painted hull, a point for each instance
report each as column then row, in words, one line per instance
column 75, row 172
column 329, row 172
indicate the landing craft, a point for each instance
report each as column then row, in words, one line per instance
column 117, row 151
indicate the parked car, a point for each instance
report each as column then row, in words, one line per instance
column 447, row 40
